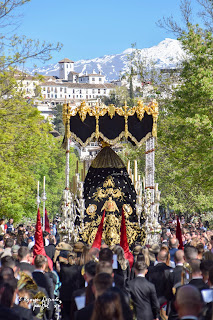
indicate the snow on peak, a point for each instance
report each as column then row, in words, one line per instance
column 167, row 54
column 128, row 51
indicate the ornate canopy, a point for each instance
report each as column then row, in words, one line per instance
column 108, row 188
column 112, row 124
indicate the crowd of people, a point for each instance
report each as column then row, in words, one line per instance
column 82, row 282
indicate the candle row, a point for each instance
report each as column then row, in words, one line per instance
column 135, row 177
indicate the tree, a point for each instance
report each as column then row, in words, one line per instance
column 204, row 14
column 185, row 126
column 145, row 80
column 131, row 90
column 188, row 134
column 184, row 150
column 118, row 96
column 58, row 121
column 27, row 149
column 27, row 153
column 17, row 50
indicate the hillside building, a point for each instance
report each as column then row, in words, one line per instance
column 70, row 86
column 27, row 84
column 74, row 87
column 58, row 92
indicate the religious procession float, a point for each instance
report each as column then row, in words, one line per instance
column 111, row 197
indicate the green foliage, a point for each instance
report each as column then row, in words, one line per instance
column 151, row 83
column 130, row 153
column 27, row 153
column 58, row 120
column 27, row 150
column 17, row 50
column 184, row 150
column 184, row 164
column 131, row 90
column 118, row 96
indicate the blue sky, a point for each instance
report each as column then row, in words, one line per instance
column 89, row 29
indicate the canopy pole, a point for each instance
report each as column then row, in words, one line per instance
column 152, row 195
column 44, row 199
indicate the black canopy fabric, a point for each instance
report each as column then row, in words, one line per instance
column 111, row 124
column 108, row 188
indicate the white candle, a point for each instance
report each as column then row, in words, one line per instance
column 128, row 166
column 144, row 184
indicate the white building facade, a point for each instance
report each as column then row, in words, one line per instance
column 61, row 91
column 74, row 87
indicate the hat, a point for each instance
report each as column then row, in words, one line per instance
column 78, row 247
column 63, row 246
column 154, row 248
column 136, row 250
column 15, row 248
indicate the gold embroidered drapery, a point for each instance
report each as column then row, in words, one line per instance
column 111, row 124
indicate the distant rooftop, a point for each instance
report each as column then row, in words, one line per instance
column 73, row 72
column 79, row 85
column 92, row 75
column 66, row 60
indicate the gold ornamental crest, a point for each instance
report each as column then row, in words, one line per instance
column 91, row 210
column 127, row 209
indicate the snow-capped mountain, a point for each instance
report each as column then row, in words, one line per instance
column 167, row 54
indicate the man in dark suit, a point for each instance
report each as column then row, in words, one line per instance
column 89, row 274
column 106, row 267
column 43, row 281
column 24, row 260
column 190, row 253
column 143, row 294
column 50, row 249
column 173, row 282
column 188, row 302
column 101, row 283
column 173, row 277
column 197, row 279
column 157, row 276
column 69, row 275
column 106, row 255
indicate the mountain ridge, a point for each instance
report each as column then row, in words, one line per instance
column 167, row 54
